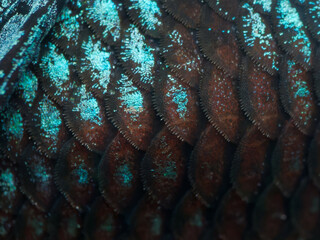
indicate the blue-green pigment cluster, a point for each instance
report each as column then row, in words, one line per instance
column 150, row 14
column 265, row 4
column 134, row 48
column 81, row 173
column 124, row 176
column 7, row 184
column 28, row 84
column 12, row 125
column 88, row 107
column 179, row 96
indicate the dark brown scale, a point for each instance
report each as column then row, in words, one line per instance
column 105, row 18
column 101, row 222
column 248, row 166
column 65, row 222
column 257, row 40
column 305, row 209
column 56, row 73
column 96, row 64
column 119, row 181
column 189, row 220
column 178, row 105
column 11, row 197
column 31, row 223
column 46, row 125
column 37, row 180
column 217, row 40
column 188, row 12
column 292, row 34
column 225, row 8
column 85, row 116
column 69, row 30
column 130, row 110
column 209, row 166
column 74, row 174
column 296, row 89
column 186, row 60
column 148, row 221
column 219, row 98
column 147, row 15
column 314, row 158
column 269, row 216
column 14, row 136
column 164, row 168
column 260, row 99
column 231, row 217
column 288, row 158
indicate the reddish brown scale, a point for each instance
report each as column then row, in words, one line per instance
column 101, row 222
column 269, row 216
column 296, row 89
column 46, row 125
column 217, row 39
column 119, row 181
column 11, row 197
column 187, row 12
column 164, row 168
column 186, row 60
column 86, row 118
column 74, row 173
column 256, row 37
column 178, row 105
column 305, row 209
column 69, row 29
column 209, row 166
column 314, row 158
column 231, row 217
column 292, row 34
column 14, row 136
column 260, row 99
column 130, row 110
column 56, row 73
column 7, row 223
column 189, row 220
column 227, row 9
column 95, row 63
column 65, row 222
column 249, row 164
column 31, row 223
column 36, row 177
column 148, row 220
column 288, row 158
column 219, row 99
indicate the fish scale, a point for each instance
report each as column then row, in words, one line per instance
column 172, row 119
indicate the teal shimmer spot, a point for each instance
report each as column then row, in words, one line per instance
column 37, row 225
column 289, row 19
column 88, row 107
column 196, row 220
column 131, row 97
column 72, row 226
column 99, row 59
column 108, row 224
column 70, row 27
column 105, row 13
column 82, row 173
column 156, row 225
column 29, row 86
column 314, row 208
column 265, row 4
column 255, row 22
column 169, row 171
column 124, row 175
column 15, row 125
column 7, row 183
column 135, row 49
column 179, row 97
column 149, row 13
column 55, row 65
column 50, row 120
column 41, row 174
